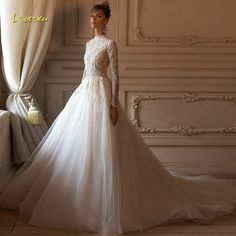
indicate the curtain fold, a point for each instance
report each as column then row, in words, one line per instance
column 24, row 45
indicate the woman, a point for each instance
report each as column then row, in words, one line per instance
column 93, row 172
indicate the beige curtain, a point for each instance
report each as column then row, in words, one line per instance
column 5, row 150
column 24, row 46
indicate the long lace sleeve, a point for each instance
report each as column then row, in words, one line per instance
column 113, row 59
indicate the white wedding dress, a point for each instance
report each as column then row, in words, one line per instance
column 88, row 175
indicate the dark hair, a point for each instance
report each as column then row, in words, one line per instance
column 105, row 7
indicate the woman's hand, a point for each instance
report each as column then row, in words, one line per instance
column 114, row 114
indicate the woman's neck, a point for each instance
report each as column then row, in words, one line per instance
column 99, row 32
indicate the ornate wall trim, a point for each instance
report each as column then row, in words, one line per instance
column 187, row 39
column 71, row 24
column 185, row 129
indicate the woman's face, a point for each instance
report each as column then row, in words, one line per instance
column 98, row 19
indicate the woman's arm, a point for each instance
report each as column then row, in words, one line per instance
column 113, row 59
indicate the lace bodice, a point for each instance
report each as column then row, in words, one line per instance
column 100, row 52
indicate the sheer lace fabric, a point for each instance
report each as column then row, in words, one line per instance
column 100, row 52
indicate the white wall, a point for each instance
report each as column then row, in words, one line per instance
column 177, row 63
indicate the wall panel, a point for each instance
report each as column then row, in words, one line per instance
column 177, row 75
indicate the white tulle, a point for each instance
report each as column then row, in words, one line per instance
column 88, row 175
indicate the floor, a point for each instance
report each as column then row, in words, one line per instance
column 10, row 224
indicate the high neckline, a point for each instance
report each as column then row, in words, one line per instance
column 100, row 36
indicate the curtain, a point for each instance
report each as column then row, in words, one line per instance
column 25, row 32
column 5, row 151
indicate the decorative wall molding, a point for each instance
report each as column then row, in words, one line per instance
column 56, row 95
column 139, row 37
column 185, row 129
column 200, row 165
column 230, row 40
column 70, row 32
column 190, row 40
column 209, row 167
column 187, row 39
column 61, row 68
column 71, row 23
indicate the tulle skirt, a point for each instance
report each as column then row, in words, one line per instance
column 88, row 175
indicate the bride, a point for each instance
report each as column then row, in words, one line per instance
column 92, row 170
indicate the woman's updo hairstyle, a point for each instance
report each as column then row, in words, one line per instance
column 105, row 7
